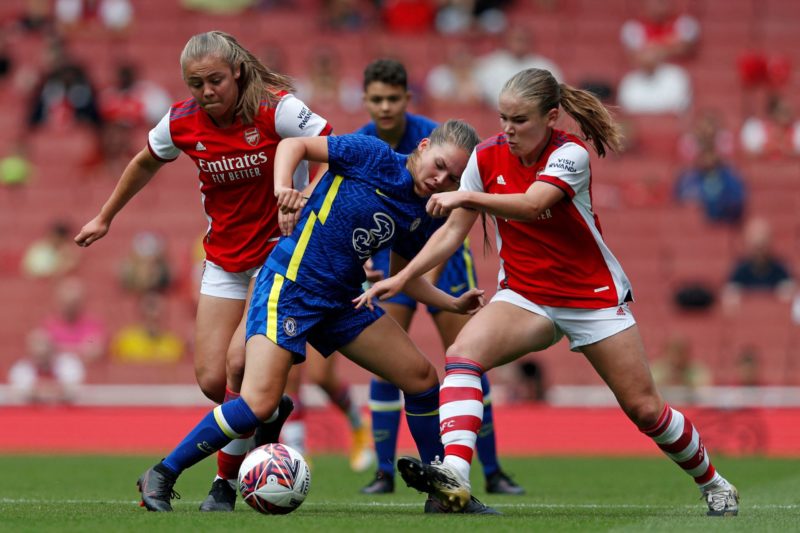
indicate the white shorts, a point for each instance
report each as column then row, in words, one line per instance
column 581, row 326
column 223, row 284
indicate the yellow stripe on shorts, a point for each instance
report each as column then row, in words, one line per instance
column 272, row 308
column 469, row 265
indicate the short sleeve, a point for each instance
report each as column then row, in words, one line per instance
column 293, row 118
column 471, row 177
column 356, row 155
column 159, row 141
column 568, row 169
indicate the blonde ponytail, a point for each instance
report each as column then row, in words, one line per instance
column 540, row 87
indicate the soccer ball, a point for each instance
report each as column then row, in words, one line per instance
column 274, row 479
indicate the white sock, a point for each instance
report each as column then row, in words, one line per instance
column 294, row 435
column 460, row 467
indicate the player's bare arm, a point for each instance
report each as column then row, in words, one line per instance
column 441, row 245
column 526, row 207
column 136, row 175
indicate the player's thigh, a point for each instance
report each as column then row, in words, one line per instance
column 401, row 313
column 265, row 374
column 216, row 322
column 236, row 347
column 622, row 363
column 294, row 380
column 500, row 333
column 386, row 350
column 449, row 325
column 320, row 370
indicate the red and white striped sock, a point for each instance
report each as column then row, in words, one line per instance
column 677, row 437
column 460, row 412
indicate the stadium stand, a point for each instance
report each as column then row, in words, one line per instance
column 658, row 245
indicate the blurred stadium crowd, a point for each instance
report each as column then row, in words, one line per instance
column 701, row 208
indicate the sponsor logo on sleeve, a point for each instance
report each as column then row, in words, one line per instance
column 304, row 116
column 562, row 164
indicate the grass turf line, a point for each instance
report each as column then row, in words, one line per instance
column 98, row 493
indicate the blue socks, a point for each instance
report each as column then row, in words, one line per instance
column 422, row 415
column 225, row 423
column 385, row 407
column 486, row 444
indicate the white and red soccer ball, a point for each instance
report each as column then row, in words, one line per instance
column 274, row 479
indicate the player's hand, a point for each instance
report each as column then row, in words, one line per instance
column 287, row 222
column 379, row 291
column 442, row 203
column 289, row 200
column 373, row 275
column 93, row 230
column 470, row 302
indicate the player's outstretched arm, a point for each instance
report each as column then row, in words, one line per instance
column 136, row 175
column 442, row 244
column 525, row 206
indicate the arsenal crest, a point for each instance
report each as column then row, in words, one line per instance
column 252, row 136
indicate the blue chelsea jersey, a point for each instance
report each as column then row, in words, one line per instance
column 417, row 128
column 363, row 204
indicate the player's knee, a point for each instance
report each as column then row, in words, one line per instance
column 420, row 380
column 262, row 404
column 235, row 369
column 457, row 349
column 212, row 385
column 644, row 412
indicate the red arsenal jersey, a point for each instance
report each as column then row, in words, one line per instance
column 560, row 259
column 235, row 167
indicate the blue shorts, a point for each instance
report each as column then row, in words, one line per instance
column 291, row 316
column 457, row 277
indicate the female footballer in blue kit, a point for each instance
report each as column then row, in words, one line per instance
column 370, row 199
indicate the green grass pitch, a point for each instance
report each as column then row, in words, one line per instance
column 98, row 493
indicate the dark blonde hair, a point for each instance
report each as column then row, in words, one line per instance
column 540, row 87
column 256, row 81
column 456, row 132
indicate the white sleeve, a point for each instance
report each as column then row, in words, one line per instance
column 568, row 164
column 160, row 141
column 293, row 118
column 471, row 177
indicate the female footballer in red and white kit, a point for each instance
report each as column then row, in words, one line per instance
column 230, row 127
column 557, row 278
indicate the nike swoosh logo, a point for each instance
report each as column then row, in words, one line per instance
column 378, row 191
column 456, row 288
